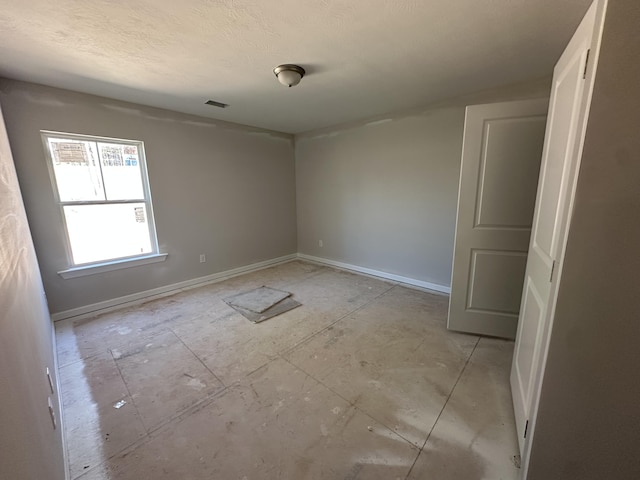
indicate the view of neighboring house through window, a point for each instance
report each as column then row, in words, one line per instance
column 104, row 196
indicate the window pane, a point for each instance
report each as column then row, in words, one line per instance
column 75, row 165
column 121, row 171
column 104, row 232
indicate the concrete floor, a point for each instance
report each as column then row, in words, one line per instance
column 362, row 381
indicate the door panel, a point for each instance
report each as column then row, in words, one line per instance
column 501, row 155
column 554, row 179
column 532, row 310
column 492, row 289
column 570, row 95
column 503, row 178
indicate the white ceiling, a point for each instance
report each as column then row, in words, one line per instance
column 363, row 57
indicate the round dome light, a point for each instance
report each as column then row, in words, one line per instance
column 289, row 75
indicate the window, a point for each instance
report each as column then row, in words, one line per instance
column 102, row 188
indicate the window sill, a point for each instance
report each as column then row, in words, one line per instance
column 83, row 271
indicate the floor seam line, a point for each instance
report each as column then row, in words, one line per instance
column 195, row 355
column 352, row 404
column 444, row 406
column 313, row 275
column 126, row 385
column 190, row 410
column 150, row 435
column 80, row 359
column 109, row 458
column 146, row 435
column 313, row 335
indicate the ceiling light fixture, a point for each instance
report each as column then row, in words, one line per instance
column 289, row 75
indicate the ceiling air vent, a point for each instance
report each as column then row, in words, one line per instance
column 216, row 104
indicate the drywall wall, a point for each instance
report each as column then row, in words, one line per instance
column 30, row 447
column 220, row 189
column 383, row 194
column 588, row 424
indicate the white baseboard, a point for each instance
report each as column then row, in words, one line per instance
column 377, row 273
column 140, row 297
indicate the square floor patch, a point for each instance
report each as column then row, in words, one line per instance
column 261, row 303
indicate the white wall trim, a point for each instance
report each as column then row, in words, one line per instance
column 84, row 270
column 377, row 273
column 140, row 297
column 58, row 395
column 137, row 298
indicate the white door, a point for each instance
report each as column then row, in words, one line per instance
column 501, row 154
column 568, row 109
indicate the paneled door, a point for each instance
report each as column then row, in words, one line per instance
column 572, row 86
column 501, row 154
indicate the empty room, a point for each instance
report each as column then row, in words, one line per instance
column 319, row 240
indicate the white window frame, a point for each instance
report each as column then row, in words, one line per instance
column 78, row 270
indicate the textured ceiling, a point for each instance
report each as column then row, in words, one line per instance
column 363, row 57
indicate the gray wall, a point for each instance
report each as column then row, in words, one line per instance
column 383, row 194
column 588, row 423
column 217, row 188
column 30, row 448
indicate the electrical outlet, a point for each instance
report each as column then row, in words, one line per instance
column 320, row 244
column 203, row 258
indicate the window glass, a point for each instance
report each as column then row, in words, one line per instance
column 107, row 231
column 76, row 169
column 121, row 171
column 104, row 197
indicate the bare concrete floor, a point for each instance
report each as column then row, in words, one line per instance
column 362, row 381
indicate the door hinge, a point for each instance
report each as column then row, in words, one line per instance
column 553, row 267
column 526, row 427
column 586, row 64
